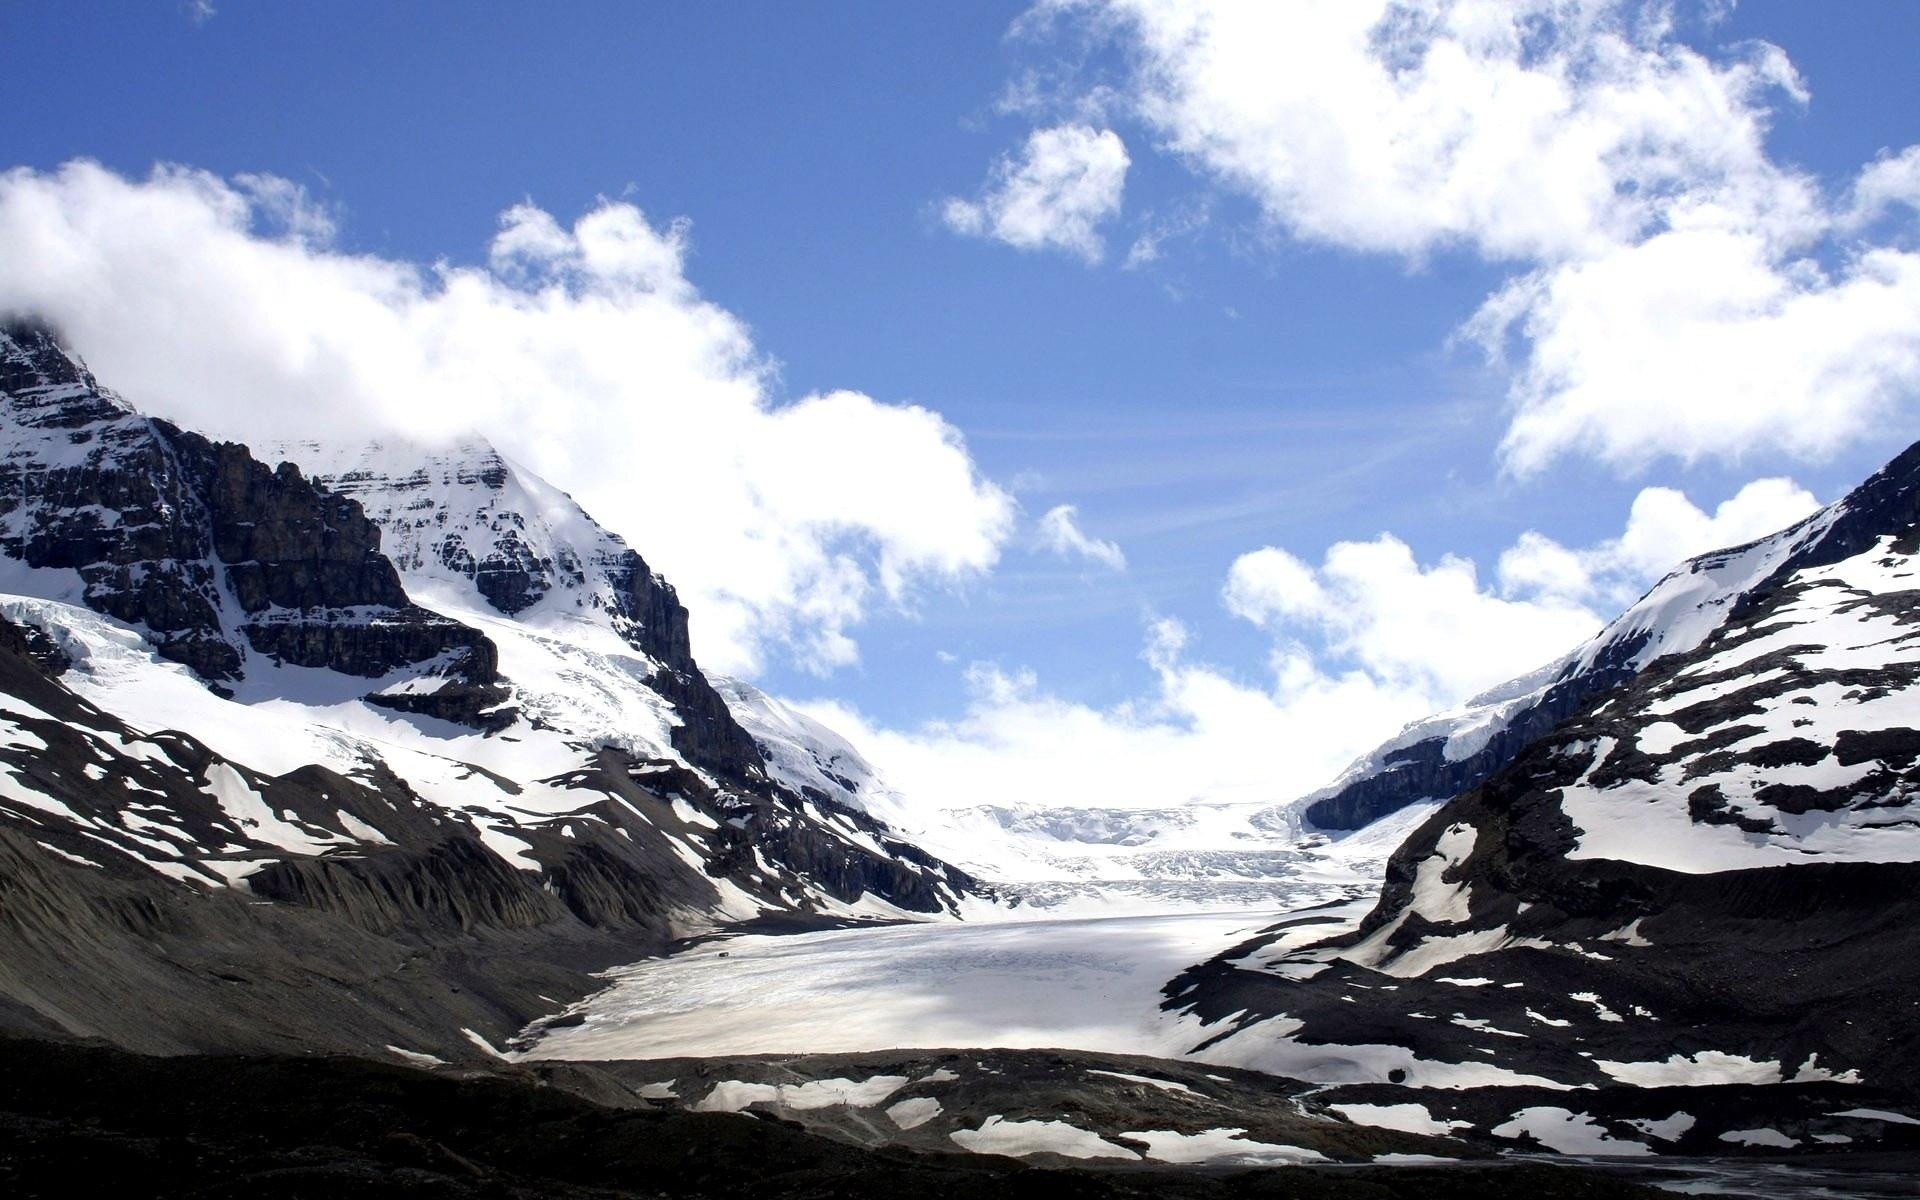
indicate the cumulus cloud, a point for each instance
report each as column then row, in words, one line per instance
column 1522, row 130
column 1705, row 343
column 583, row 348
column 1680, row 293
column 1364, row 641
column 1198, row 734
column 1059, row 532
column 1065, row 182
column 1663, row 529
column 1432, row 629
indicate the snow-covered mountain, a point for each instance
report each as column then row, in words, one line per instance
column 234, row 715
column 1441, row 756
column 1709, row 875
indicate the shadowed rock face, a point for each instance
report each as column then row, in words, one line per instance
column 464, row 515
column 209, row 551
column 164, row 898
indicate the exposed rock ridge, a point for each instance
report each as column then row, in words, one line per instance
column 1442, row 756
column 216, row 557
column 464, row 517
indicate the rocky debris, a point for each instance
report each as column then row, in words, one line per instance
column 160, row 896
column 87, row 1120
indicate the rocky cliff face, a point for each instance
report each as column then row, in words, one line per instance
column 222, row 562
column 463, row 519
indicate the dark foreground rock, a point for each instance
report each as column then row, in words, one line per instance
column 90, row 1121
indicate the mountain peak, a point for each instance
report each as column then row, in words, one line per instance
column 44, row 385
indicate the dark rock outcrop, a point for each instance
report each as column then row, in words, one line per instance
column 465, row 512
column 208, row 550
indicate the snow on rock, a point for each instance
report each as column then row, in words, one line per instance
column 734, row 1095
column 1218, row 1147
column 1165, row 1085
column 1018, row 1139
column 913, row 1113
column 1878, row 1114
column 1705, row 1067
column 1567, row 1132
column 1407, row 1118
column 1667, row 1129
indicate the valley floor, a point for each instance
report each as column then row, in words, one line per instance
column 1080, row 983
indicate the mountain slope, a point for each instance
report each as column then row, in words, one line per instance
column 476, row 533
column 1443, row 755
column 1708, row 876
column 240, row 754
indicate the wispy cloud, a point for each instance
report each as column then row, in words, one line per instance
column 1059, row 532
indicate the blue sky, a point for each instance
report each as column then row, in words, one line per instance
column 1261, row 383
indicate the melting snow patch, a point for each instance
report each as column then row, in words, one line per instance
column 1593, row 998
column 481, row 1042
column 661, row 1090
column 1759, row 1137
column 1666, row 1130
column 1812, row 1072
column 73, row 858
column 1218, row 1146
column 1165, row 1085
column 253, row 817
column 1566, row 1132
column 360, row 830
column 1434, row 898
column 417, row 1058
column 1706, row 1067
column 1482, row 1025
column 911, row 1114
column 1405, row 1118
column 1878, row 1114
column 1021, row 1138
column 1627, row 935
column 733, row 1095
column 1474, row 982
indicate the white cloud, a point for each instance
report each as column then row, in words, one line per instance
column 1536, row 129
column 1704, row 343
column 1664, row 528
column 1066, row 182
column 1059, row 532
column 584, row 349
column 1890, row 182
column 1363, row 643
column 1198, row 734
column 1430, row 629
column 1682, row 294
